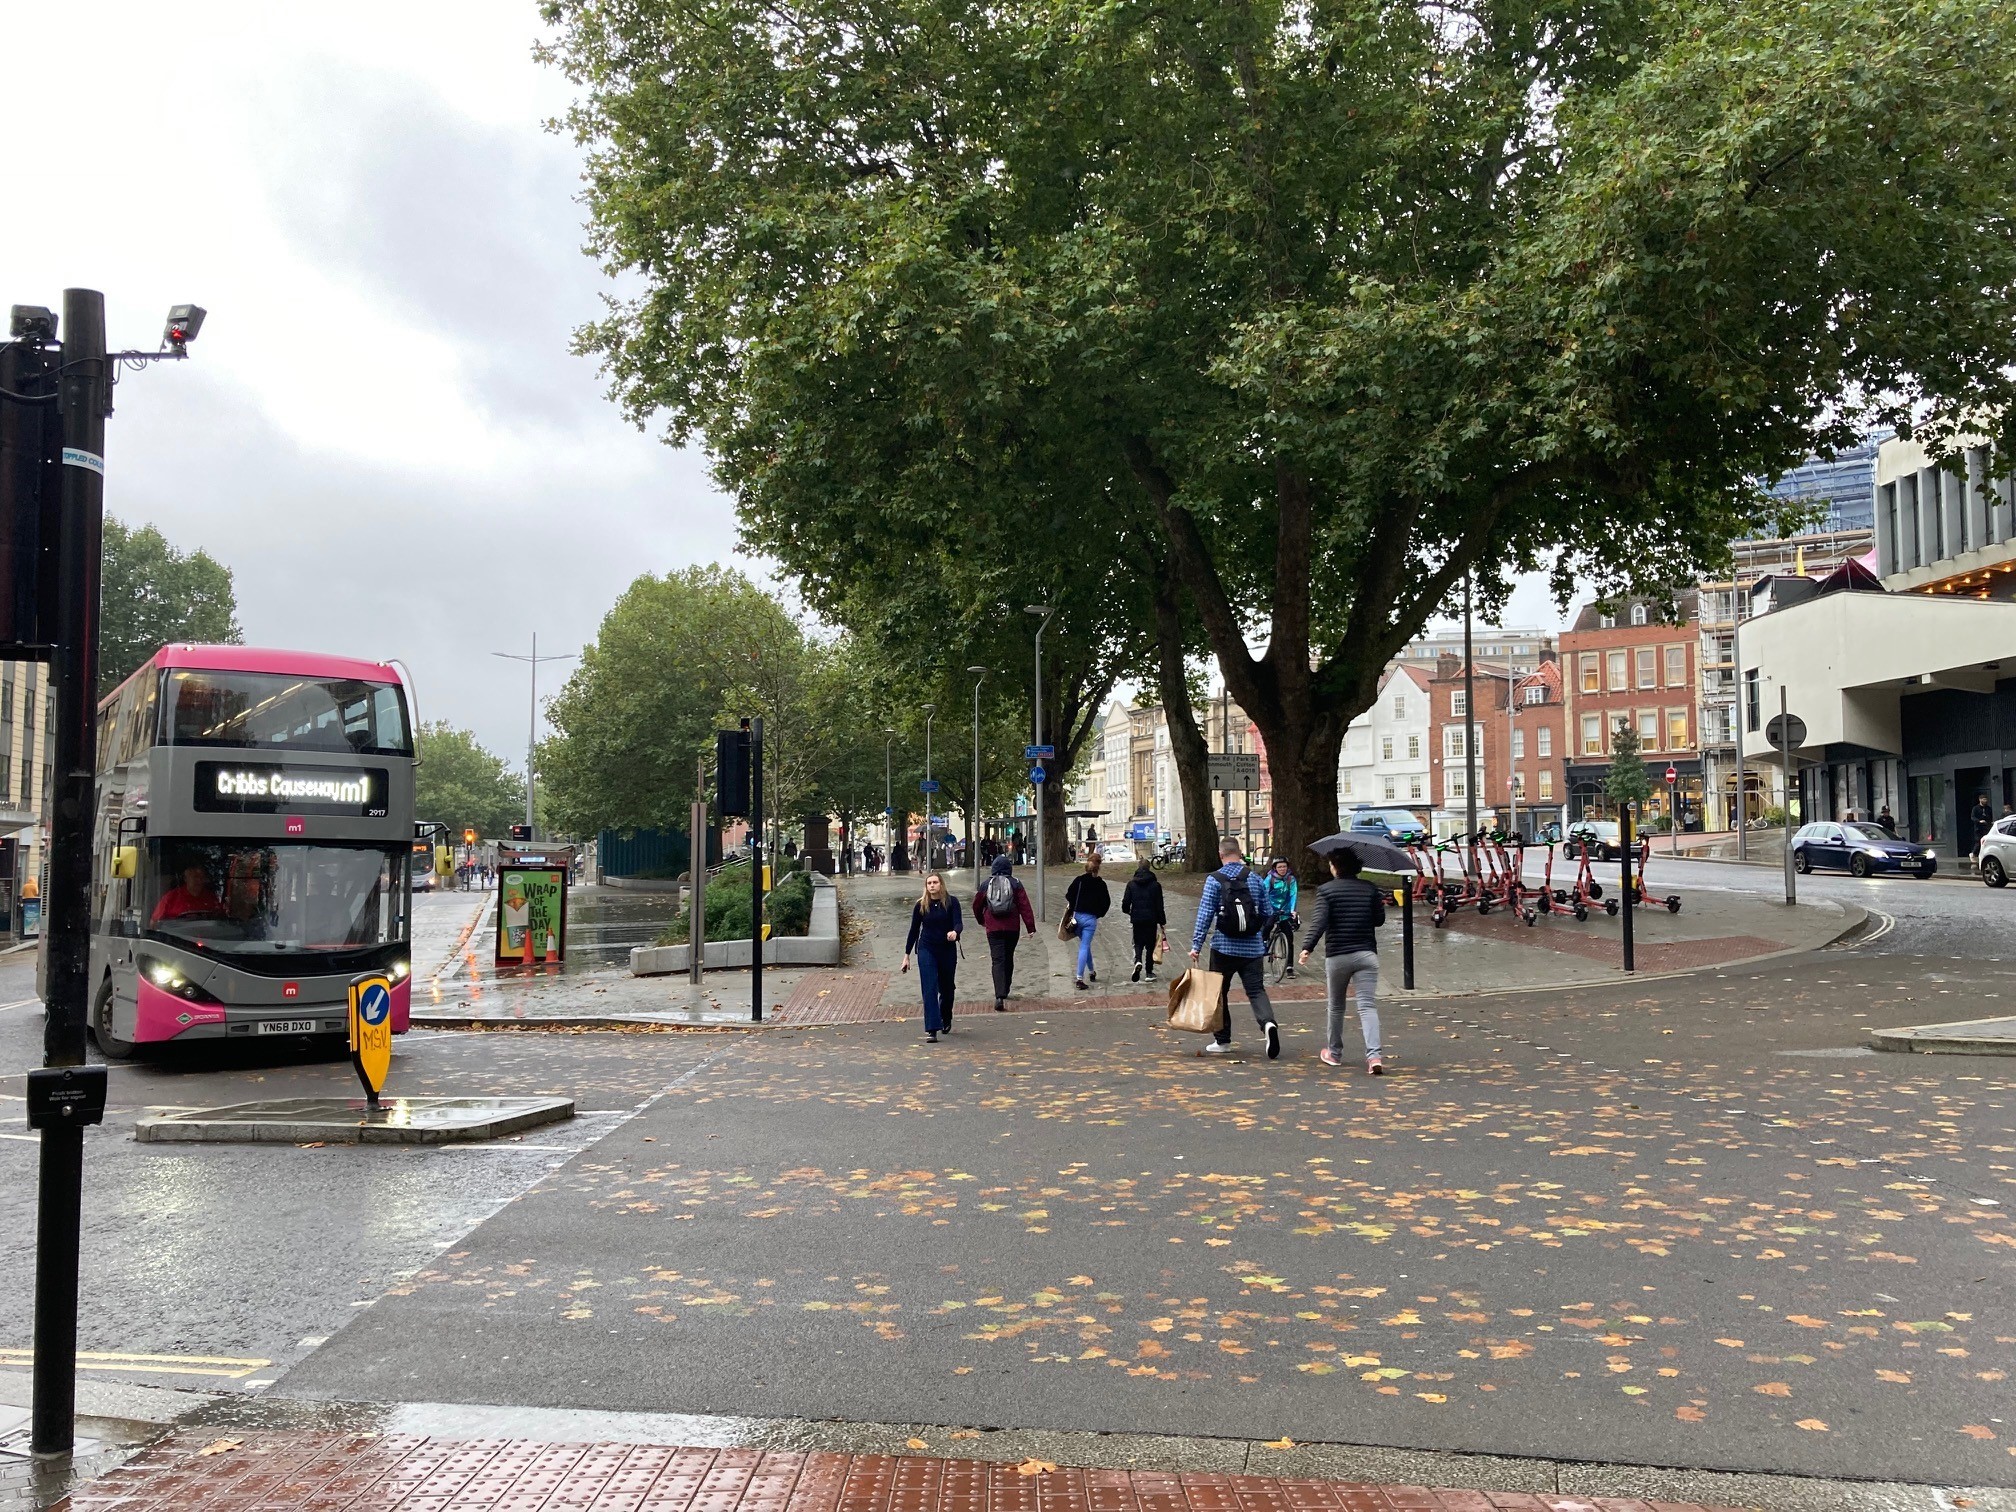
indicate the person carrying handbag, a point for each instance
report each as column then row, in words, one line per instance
column 935, row 927
column 1141, row 901
column 1087, row 902
column 1348, row 910
column 1235, row 912
column 1002, row 907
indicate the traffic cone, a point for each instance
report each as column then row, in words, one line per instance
column 529, row 958
column 552, row 949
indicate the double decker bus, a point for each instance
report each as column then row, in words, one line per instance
column 254, row 846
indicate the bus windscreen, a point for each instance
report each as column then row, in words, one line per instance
column 276, row 711
column 237, row 898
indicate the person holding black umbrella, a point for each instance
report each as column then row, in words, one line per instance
column 1348, row 911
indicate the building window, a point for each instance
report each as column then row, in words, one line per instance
column 1676, row 666
column 1455, row 786
column 1347, row 784
column 1518, row 745
column 1537, row 694
column 1638, row 615
column 1399, row 705
column 1546, row 783
column 1414, row 787
column 1519, row 784
column 1389, row 789
column 1606, row 622
column 1545, row 745
column 1620, row 671
column 1459, row 704
column 1676, row 730
column 27, row 782
column 1592, row 734
column 1592, row 677
column 1413, row 747
column 1648, row 729
column 1385, row 747
column 1452, row 743
column 7, row 702
column 1648, row 667
column 1752, row 699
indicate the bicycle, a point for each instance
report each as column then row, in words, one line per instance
column 1281, row 946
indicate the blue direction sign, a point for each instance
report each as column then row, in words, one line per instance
column 927, row 786
column 1040, row 753
column 1037, row 774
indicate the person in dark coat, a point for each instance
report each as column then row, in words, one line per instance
column 1141, row 901
column 1087, row 901
column 1348, row 910
column 1984, row 820
column 935, row 927
column 1001, row 924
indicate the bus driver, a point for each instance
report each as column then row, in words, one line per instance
column 194, row 899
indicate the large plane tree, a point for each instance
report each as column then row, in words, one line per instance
column 1346, row 303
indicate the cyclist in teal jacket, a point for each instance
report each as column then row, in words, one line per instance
column 1282, row 892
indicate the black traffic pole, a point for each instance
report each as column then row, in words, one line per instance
column 1407, row 936
column 756, row 870
column 1624, row 832
column 84, row 395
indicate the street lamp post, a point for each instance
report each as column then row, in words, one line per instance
column 532, row 731
column 972, row 830
column 888, row 794
column 930, row 713
column 1043, row 613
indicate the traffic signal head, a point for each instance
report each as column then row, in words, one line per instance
column 468, row 837
column 184, row 321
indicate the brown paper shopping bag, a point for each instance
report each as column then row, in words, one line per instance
column 1197, row 1001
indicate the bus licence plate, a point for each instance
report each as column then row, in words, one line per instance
column 287, row 1026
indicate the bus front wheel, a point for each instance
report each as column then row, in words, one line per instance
column 109, row 1045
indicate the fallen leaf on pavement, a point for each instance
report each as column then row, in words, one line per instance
column 1812, row 1425
column 1281, row 1443
column 915, row 1443
column 220, row 1446
column 1034, row 1467
column 966, row 1433
column 1773, row 1388
column 1976, row 1430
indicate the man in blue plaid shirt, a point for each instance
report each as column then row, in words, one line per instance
column 1243, row 955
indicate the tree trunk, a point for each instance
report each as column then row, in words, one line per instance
column 1305, row 790
column 1186, row 741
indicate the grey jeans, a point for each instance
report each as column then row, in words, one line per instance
column 1340, row 974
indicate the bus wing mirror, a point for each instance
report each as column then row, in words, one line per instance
column 126, row 862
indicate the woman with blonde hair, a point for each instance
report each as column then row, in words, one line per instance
column 935, row 927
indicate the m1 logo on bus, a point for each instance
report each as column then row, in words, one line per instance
column 291, row 990
column 248, row 787
column 296, row 825
column 371, row 1032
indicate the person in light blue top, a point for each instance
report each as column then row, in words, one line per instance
column 1236, row 912
column 1283, row 893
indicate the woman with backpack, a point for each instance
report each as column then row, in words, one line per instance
column 1087, row 902
column 1348, row 910
column 1141, row 901
column 935, row 927
column 1002, row 907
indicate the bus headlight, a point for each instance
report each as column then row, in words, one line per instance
column 165, row 975
column 401, row 970
column 170, row 980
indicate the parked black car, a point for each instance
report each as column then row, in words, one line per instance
column 1603, row 838
column 1860, row 849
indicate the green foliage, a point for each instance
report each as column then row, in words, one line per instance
column 463, row 785
column 788, row 906
column 152, row 594
column 1318, row 308
column 1627, row 781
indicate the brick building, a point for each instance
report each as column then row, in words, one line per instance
column 1519, row 738
column 1631, row 664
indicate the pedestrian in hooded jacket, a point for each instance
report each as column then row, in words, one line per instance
column 1012, row 913
column 1141, row 901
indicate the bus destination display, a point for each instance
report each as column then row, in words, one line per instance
column 245, row 787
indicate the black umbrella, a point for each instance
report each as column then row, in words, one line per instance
column 1375, row 853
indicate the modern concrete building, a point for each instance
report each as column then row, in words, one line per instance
column 1905, row 682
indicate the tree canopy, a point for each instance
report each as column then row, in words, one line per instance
column 152, row 594
column 1316, row 308
column 462, row 784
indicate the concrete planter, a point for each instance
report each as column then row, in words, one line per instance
column 819, row 946
column 644, row 884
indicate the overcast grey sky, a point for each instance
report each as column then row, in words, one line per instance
column 380, row 430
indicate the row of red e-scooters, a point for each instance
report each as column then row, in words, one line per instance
column 1486, row 871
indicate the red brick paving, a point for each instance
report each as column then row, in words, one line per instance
column 851, row 997
column 300, row 1471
